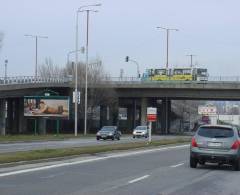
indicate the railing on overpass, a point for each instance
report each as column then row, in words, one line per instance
column 211, row 78
column 33, row 80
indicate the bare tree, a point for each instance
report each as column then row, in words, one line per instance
column 96, row 75
column 49, row 70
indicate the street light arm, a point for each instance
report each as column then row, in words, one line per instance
column 159, row 27
column 138, row 70
column 91, row 5
column 89, row 10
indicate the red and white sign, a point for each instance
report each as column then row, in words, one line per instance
column 207, row 110
column 151, row 114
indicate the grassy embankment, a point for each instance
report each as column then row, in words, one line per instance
column 55, row 153
column 48, row 137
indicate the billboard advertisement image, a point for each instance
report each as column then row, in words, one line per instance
column 46, row 107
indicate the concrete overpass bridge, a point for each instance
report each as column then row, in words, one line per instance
column 133, row 94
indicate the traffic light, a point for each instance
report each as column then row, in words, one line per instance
column 127, row 58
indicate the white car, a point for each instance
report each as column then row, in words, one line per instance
column 140, row 131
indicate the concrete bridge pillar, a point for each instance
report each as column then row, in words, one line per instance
column 165, row 115
column 16, row 111
column 144, row 111
column 9, row 122
column 22, row 126
column 2, row 117
column 134, row 113
column 103, row 115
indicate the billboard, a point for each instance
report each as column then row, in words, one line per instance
column 41, row 106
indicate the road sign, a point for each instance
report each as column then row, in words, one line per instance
column 207, row 110
column 151, row 114
column 78, row 97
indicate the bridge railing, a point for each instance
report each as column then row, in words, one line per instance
column 33, row 80
column 124, row 80
column 142, row 80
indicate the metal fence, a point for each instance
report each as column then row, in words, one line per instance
column 120, row 80
column 32, row 80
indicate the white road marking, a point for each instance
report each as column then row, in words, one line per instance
column 177, row 165
column 125, row 154
column 138, row 179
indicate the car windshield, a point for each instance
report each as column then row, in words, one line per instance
column 215, row 132
column 107, row 128
column 141, row 128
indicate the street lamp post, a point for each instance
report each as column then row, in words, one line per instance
column 36, row 57
column 71, row 52
column 167, row 31
column 6, row 62
column 86, row 65
column 191, row 58
column 80, row 9
column 127, row 59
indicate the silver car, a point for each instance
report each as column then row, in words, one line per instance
column 140, row 131
column 216, row 144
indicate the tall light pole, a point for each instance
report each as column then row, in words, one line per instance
column 167, row 32
column 127, row 59
column 6, row 62
column 191, row 58
column 71, row 52
column 80, row 9
column 86, row 65
column 36, row 37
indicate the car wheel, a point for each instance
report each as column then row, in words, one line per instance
column 236, row 165
column 113, row 138
column 193, row 162
column 133, row 136
column 97, row 138
column 118, row 138
column 201, row 162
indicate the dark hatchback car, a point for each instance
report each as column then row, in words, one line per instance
column 216, row 144
column 108, row 132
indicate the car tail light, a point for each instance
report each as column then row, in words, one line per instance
column 235, row 145
column 194, row 143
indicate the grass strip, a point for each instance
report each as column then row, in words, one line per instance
column 48, row 137
column 54, row 153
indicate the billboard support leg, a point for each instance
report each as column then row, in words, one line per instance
column 35, row 126
column 58, row 125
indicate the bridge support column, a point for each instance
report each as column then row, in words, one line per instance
column 22, row 126
column 16, row 113
column 103, row 116
column 165, row 115
column 9, row 122
column 134, row 113
column 144, row 111
column 2, row 117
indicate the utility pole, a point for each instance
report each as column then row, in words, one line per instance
column 36, row 37
column 167, row 32
column 191, row 58
column 6, row 62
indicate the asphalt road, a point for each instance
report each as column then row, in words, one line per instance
column 145, row 172
column 14, row 147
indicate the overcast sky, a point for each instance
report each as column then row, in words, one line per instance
column 209, row 29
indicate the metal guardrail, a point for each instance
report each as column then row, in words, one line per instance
column 142, row 80
column 121, row 80
column 32, row 80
